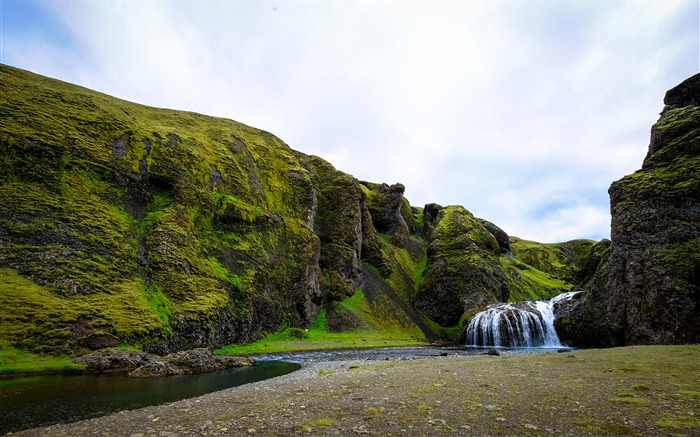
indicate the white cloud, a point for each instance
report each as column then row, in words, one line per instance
column 522, row 112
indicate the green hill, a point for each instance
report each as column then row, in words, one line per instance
column 122, row 224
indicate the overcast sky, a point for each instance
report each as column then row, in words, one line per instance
column 523, row 112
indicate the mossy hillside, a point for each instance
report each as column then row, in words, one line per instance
column 528, row 283
column 463, row 270
column 210, row 231
column 35, row 318
column 562, row 261
column 205, row 217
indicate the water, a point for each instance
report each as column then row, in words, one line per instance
column 520, row 324
column 45, row 400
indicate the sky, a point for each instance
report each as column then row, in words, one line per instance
column 524, row 112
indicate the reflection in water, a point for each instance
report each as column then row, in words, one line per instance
column 44, row 400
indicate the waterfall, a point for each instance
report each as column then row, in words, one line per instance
column 519, row 324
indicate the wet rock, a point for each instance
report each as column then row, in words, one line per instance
column 190, row 361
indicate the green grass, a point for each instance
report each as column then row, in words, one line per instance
column 528, row 283
column 558, row 260
column 378, row 333
column 16, row 361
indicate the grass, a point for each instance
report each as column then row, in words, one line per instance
column 529, row 283
column 15, row 361
column 376, row 333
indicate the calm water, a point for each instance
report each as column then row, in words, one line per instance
column 44, row 400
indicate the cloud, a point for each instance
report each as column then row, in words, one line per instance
column 523, row 112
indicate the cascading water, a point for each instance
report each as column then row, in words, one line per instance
column 521, row 324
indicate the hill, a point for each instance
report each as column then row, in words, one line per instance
column 127, row 225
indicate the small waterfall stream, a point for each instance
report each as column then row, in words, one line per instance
column 519, row 324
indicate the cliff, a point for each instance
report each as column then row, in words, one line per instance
column 122, row 224
column 648, row 291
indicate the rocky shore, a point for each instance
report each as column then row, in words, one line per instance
column 647, row 390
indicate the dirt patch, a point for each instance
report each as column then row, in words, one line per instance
column 651, row 390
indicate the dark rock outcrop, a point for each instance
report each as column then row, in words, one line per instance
column 189, row 361
column 648, row 291
column 114, row 360
column 499, row 234
column 141, row 364
column 390, row 211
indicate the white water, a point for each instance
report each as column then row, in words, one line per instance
column 521, row 324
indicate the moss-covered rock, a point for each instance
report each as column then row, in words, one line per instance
column 648, row 290
column 463, row 270
column 338, row 224
column 390, row 211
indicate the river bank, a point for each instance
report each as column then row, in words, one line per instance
column 647, row 390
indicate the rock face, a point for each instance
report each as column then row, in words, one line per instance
column 387, row 206
column 463, row 270
column 648, row 292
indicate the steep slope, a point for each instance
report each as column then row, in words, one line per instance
column 648, row 292
column 150, row 226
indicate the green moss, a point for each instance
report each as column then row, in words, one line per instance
column 560, row 260
column 44, row 322
column 528, row 283
column 378, row 329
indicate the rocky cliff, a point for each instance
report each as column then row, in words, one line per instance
column 648, row 291
column 169, row 230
